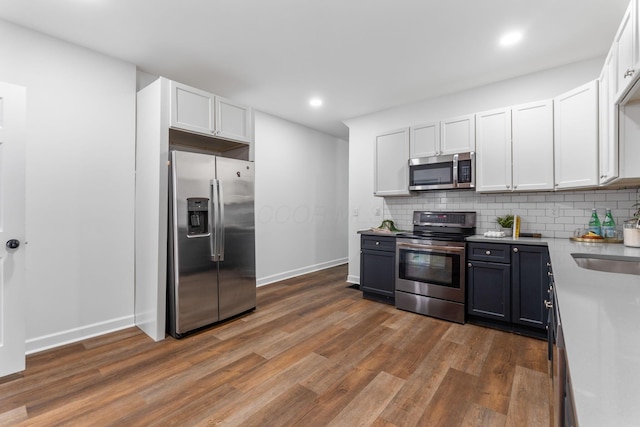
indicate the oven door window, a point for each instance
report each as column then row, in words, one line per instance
column 432, row 174
column 436, row 268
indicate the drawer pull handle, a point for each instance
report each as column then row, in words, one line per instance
column 488, row 252
column 548, row 304
column 469, row 265
column 377, row 243
column 515, row 250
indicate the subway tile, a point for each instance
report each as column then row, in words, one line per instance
column 618, row 196
column 574, row 207
column 545, row 220
column 556, row 227
column 536, row 212
column 535, row 198
column 595, row 197
column 565, row 220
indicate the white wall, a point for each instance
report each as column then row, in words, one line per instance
column 362, row 132
column 301, row 199
column 80, row 186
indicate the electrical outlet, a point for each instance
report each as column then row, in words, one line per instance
column 555, row 212
column 356, row 211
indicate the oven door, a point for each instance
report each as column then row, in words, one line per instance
column 435, row 269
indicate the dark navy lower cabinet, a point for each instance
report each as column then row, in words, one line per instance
column 489, row 294
column 506, row 286
column 378, row 267
column 529, row 284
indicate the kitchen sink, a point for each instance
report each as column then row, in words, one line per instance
column 608, row 263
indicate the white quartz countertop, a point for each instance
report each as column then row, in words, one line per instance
column 600, row 314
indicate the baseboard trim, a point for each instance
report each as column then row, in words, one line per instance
column 300, row 271
column 46, row 342
column 352, row 278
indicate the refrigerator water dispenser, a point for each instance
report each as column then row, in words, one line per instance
column 198, row 214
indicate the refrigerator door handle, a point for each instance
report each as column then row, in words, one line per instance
column 221, row 222
column 213, row 220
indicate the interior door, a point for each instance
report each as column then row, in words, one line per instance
column 12, row 228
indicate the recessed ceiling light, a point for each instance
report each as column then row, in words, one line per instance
column 510, row 39
column 315, row 102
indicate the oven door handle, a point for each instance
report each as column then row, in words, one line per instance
column 431, row 247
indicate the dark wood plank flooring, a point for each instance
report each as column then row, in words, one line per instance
column 314, row 353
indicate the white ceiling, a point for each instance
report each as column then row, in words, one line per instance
column 360, row 56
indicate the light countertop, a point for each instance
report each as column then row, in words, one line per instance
column 600, row 314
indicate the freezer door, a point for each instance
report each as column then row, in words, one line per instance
column 193, row 290
column 236, row 267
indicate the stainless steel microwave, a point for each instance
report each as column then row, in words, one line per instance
column 443, row 172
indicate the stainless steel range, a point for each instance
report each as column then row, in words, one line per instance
column 430, row 264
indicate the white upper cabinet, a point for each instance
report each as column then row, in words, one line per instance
column 532, row 147
column 514, row 148
column 195, row 110
column 192, row 109
column 625, row 46
column 233, row 121
column 629, row 166
column 493, row 155
column 608, row 112
column 391, row 169
column 458, row 135
column 425, row 140
column 576, row 137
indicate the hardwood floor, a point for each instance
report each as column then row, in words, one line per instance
column 314, row 353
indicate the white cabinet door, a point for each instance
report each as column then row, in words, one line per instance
column 12, row 202
column 532, row 126
column 608, row 121
column 233, row 121
column 192, row 109
column 576, row 137
column 458, row 135
column 629, row 133
column 625, row 46
column 493, row 155
column 391, row 170
column 425, row 140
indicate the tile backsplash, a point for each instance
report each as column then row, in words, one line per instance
column 554, row 214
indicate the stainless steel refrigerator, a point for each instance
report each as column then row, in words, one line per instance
column 211, row 268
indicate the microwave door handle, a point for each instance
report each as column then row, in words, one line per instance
column 455, row 170
column 472, row 157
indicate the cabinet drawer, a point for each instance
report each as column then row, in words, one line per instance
column 492, row 252
column 380, row 243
